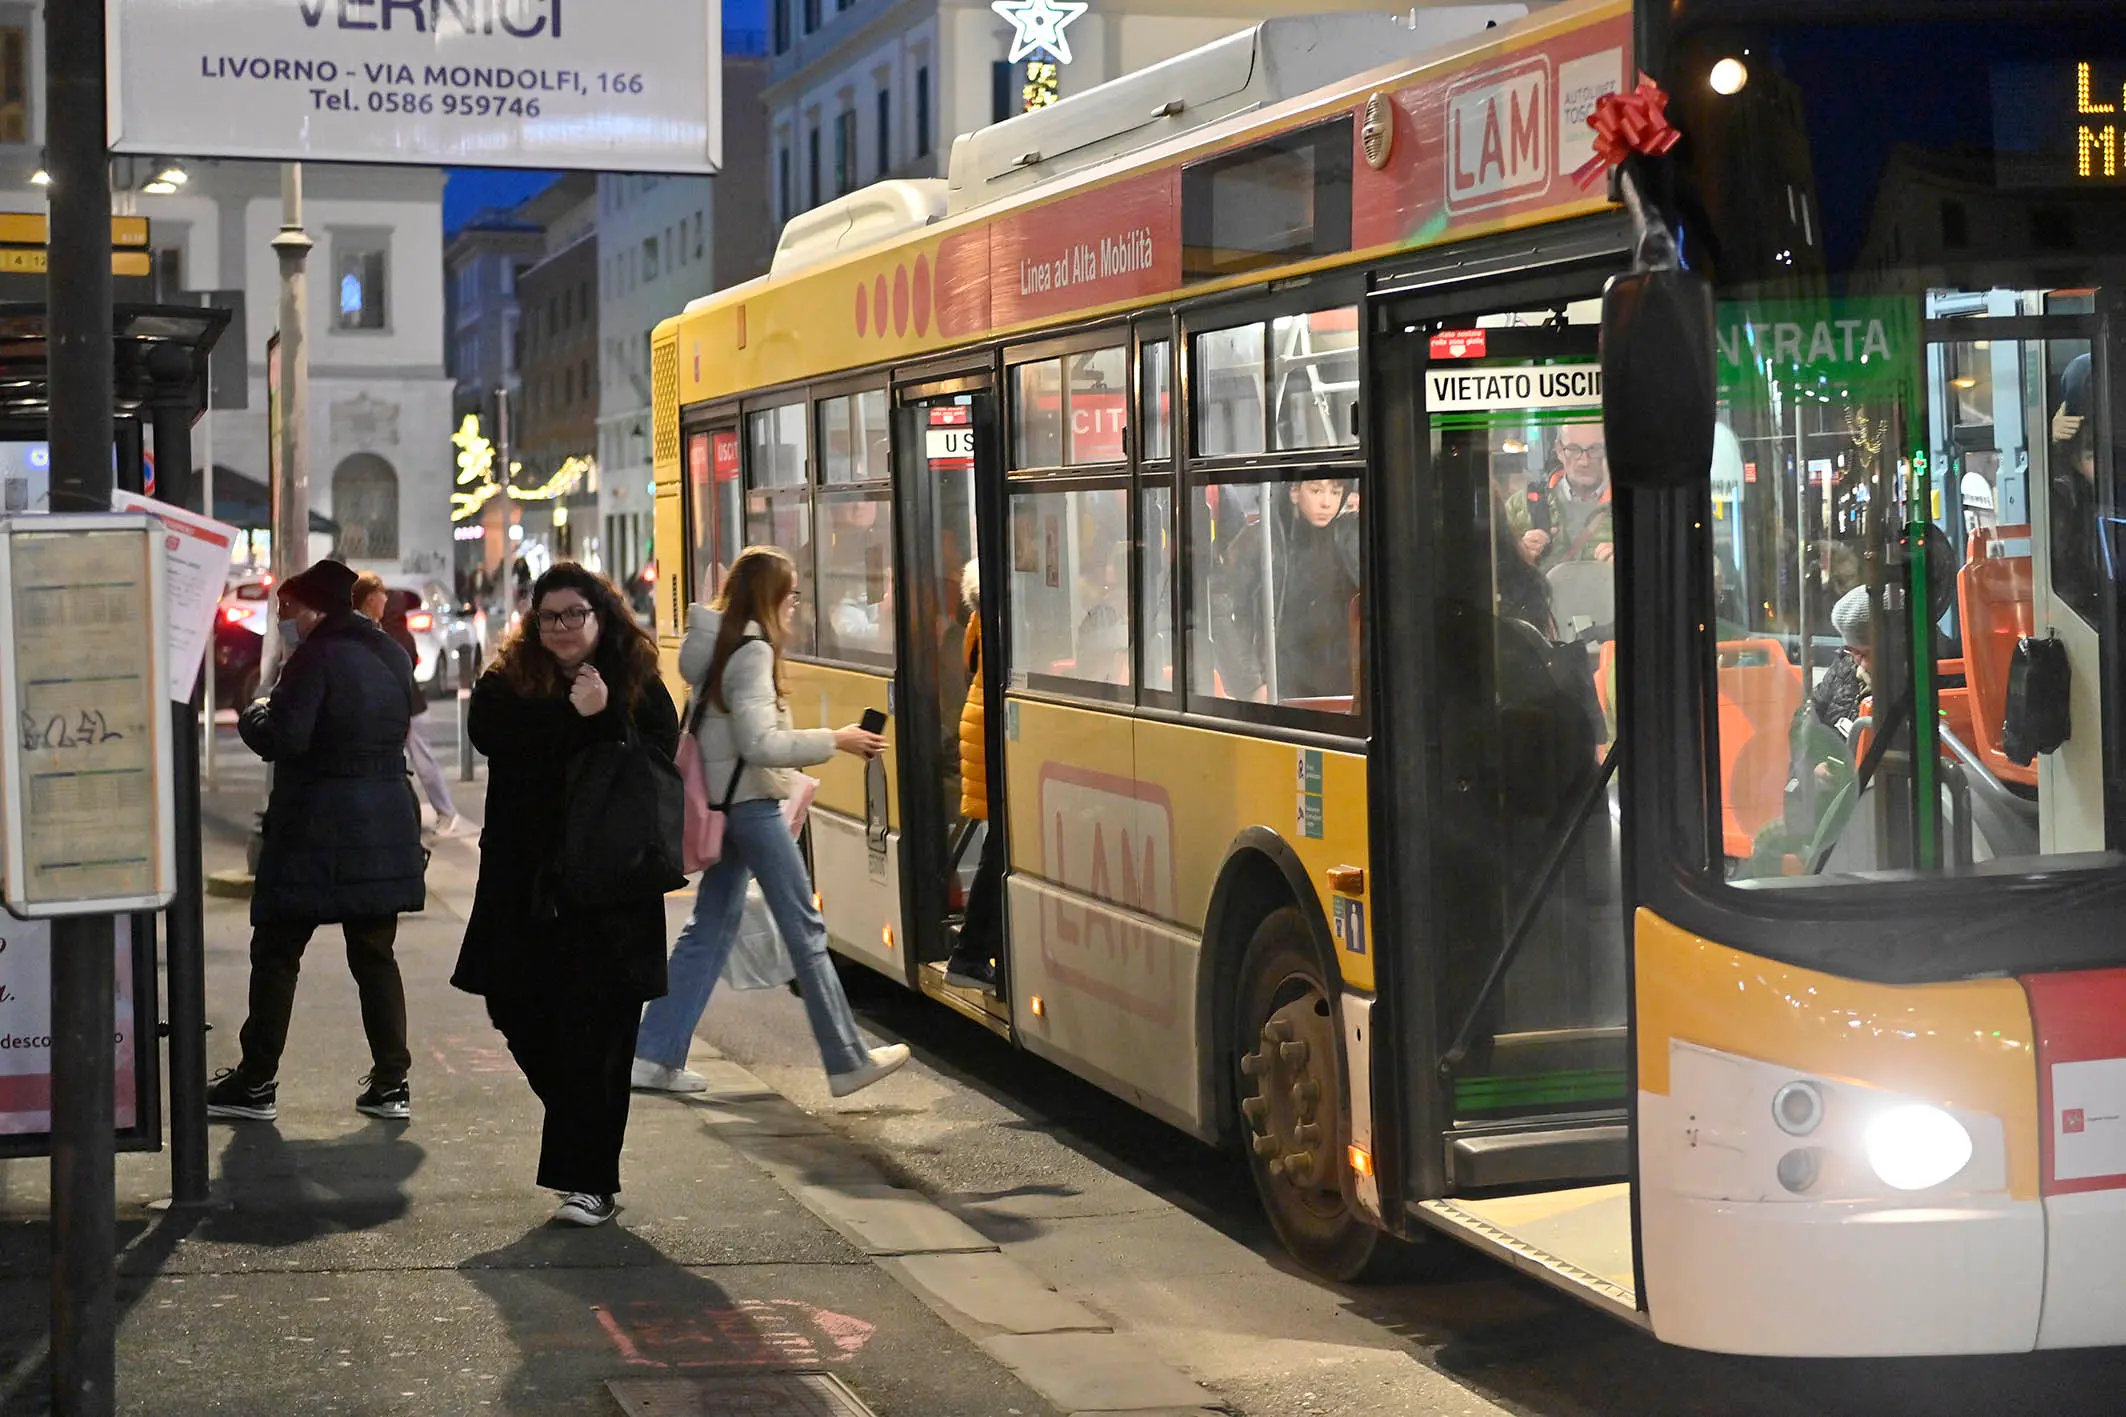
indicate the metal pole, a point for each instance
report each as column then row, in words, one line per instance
column 291, row 507
column 185, row 938
column 84, row 1221
column 206, row 504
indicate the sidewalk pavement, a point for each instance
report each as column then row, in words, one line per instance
column 354, row 1266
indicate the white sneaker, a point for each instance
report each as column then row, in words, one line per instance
column 446, row 826
column 583, row 1208
column 883, row 1061
column 655, row 1077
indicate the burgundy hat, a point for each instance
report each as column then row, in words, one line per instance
column 324, row 587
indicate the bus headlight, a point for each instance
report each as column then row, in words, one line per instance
column 1915, row 1146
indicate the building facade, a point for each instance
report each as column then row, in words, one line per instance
column 380, row 400
column 482, row 266
column 860, row 90
column 555, row 423
column 663, row 241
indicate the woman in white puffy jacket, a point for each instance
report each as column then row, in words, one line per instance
column 733, row 660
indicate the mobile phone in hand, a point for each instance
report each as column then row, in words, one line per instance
column 873, row 721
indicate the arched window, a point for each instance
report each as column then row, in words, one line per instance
column 365, row 502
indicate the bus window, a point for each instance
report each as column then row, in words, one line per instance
column 1278, row 618
column 714, row 510
column 1314, row 372
column 1072, row 411
column 776, row 447
column 779, row 503
column 853, row 438
column 1099, row 405
column 1849, row 747
column 856, row 576
column 1155, row 398
column 1070, row 587
column 1227, row 392
column 1157, row 510
column 1037, row 414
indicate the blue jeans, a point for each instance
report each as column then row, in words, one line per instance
column 756, row 843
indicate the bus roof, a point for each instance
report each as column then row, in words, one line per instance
column 1484, row 133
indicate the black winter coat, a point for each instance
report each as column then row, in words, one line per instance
column 528, row 742
column 343, row 832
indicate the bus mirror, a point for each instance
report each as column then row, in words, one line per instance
column 1657, row 377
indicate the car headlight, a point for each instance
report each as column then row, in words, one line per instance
column 1914, row 1146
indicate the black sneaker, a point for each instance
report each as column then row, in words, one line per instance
column 236, row 1097
column 970, row 973
column 583, row 1208
column 391, row 1101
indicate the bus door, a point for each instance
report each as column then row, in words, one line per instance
column 1512, row 994
column 947, row 471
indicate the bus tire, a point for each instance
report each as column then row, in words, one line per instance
column 1288, row 1086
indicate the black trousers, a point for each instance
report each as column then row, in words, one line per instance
column 981, row 928
column 577, row 1050
column 277, row 960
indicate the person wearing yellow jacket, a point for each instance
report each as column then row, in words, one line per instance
column 972, row 964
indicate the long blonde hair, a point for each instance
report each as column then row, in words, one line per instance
column 759, row 580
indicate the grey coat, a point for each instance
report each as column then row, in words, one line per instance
column 756, row 726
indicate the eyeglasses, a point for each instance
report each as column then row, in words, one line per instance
column 1582, row 452
column 572, row 618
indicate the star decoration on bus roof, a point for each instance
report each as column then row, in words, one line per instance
column 1038, row 26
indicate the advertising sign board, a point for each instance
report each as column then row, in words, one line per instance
column 624, row 85
column 26, row 1037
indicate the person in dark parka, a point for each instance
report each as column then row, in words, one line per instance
column 565, row 986
column 342, row 838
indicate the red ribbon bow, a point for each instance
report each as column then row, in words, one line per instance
column 1627, row 123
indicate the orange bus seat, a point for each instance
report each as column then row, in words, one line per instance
column 1994, row 601
column 1334, row 703
column 1757, row 707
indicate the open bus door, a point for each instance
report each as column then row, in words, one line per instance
column 1497, row 746
column 948, row 482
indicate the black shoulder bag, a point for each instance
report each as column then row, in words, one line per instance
column 622, row 831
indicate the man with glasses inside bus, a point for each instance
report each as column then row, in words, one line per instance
column 1571, row 519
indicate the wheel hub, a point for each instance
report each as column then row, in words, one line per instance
column 1289, row 1125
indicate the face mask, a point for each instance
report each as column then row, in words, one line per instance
column 291, row 634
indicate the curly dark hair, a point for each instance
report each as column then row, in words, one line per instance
column 625, row 657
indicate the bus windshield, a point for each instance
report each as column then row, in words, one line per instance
column 1917, row 233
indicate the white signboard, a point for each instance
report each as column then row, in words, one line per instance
column 624, row 85
column 85, row 771
column 26, row 1028
column 1508, row 387
column 195, row 568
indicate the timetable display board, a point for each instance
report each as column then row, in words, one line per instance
column 85, row 775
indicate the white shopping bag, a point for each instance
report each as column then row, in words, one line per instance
column 758, row 959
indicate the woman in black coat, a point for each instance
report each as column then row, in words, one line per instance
column 342, row 838
column 564, row 986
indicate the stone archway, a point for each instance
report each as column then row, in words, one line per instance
column 365, row 502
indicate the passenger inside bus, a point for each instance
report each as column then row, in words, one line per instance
column 1283, row 610
column 1571, row 519
column 2077, row 551
column 856, row 580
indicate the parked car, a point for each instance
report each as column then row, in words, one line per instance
column 441, row 628
column 237, row 651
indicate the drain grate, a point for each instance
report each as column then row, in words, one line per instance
column 739, row 1395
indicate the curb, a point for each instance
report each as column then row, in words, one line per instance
column 1062, row 1350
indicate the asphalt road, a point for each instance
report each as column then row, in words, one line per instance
column 1152, row 1228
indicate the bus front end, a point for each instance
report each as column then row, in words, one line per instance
column 1877, row 734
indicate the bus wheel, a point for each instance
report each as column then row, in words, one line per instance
column 1291, row 1101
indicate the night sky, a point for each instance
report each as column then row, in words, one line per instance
column 471, row 190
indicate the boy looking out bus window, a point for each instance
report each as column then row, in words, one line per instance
column 1314, row 580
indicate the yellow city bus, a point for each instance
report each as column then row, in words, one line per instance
column 1673, row 845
